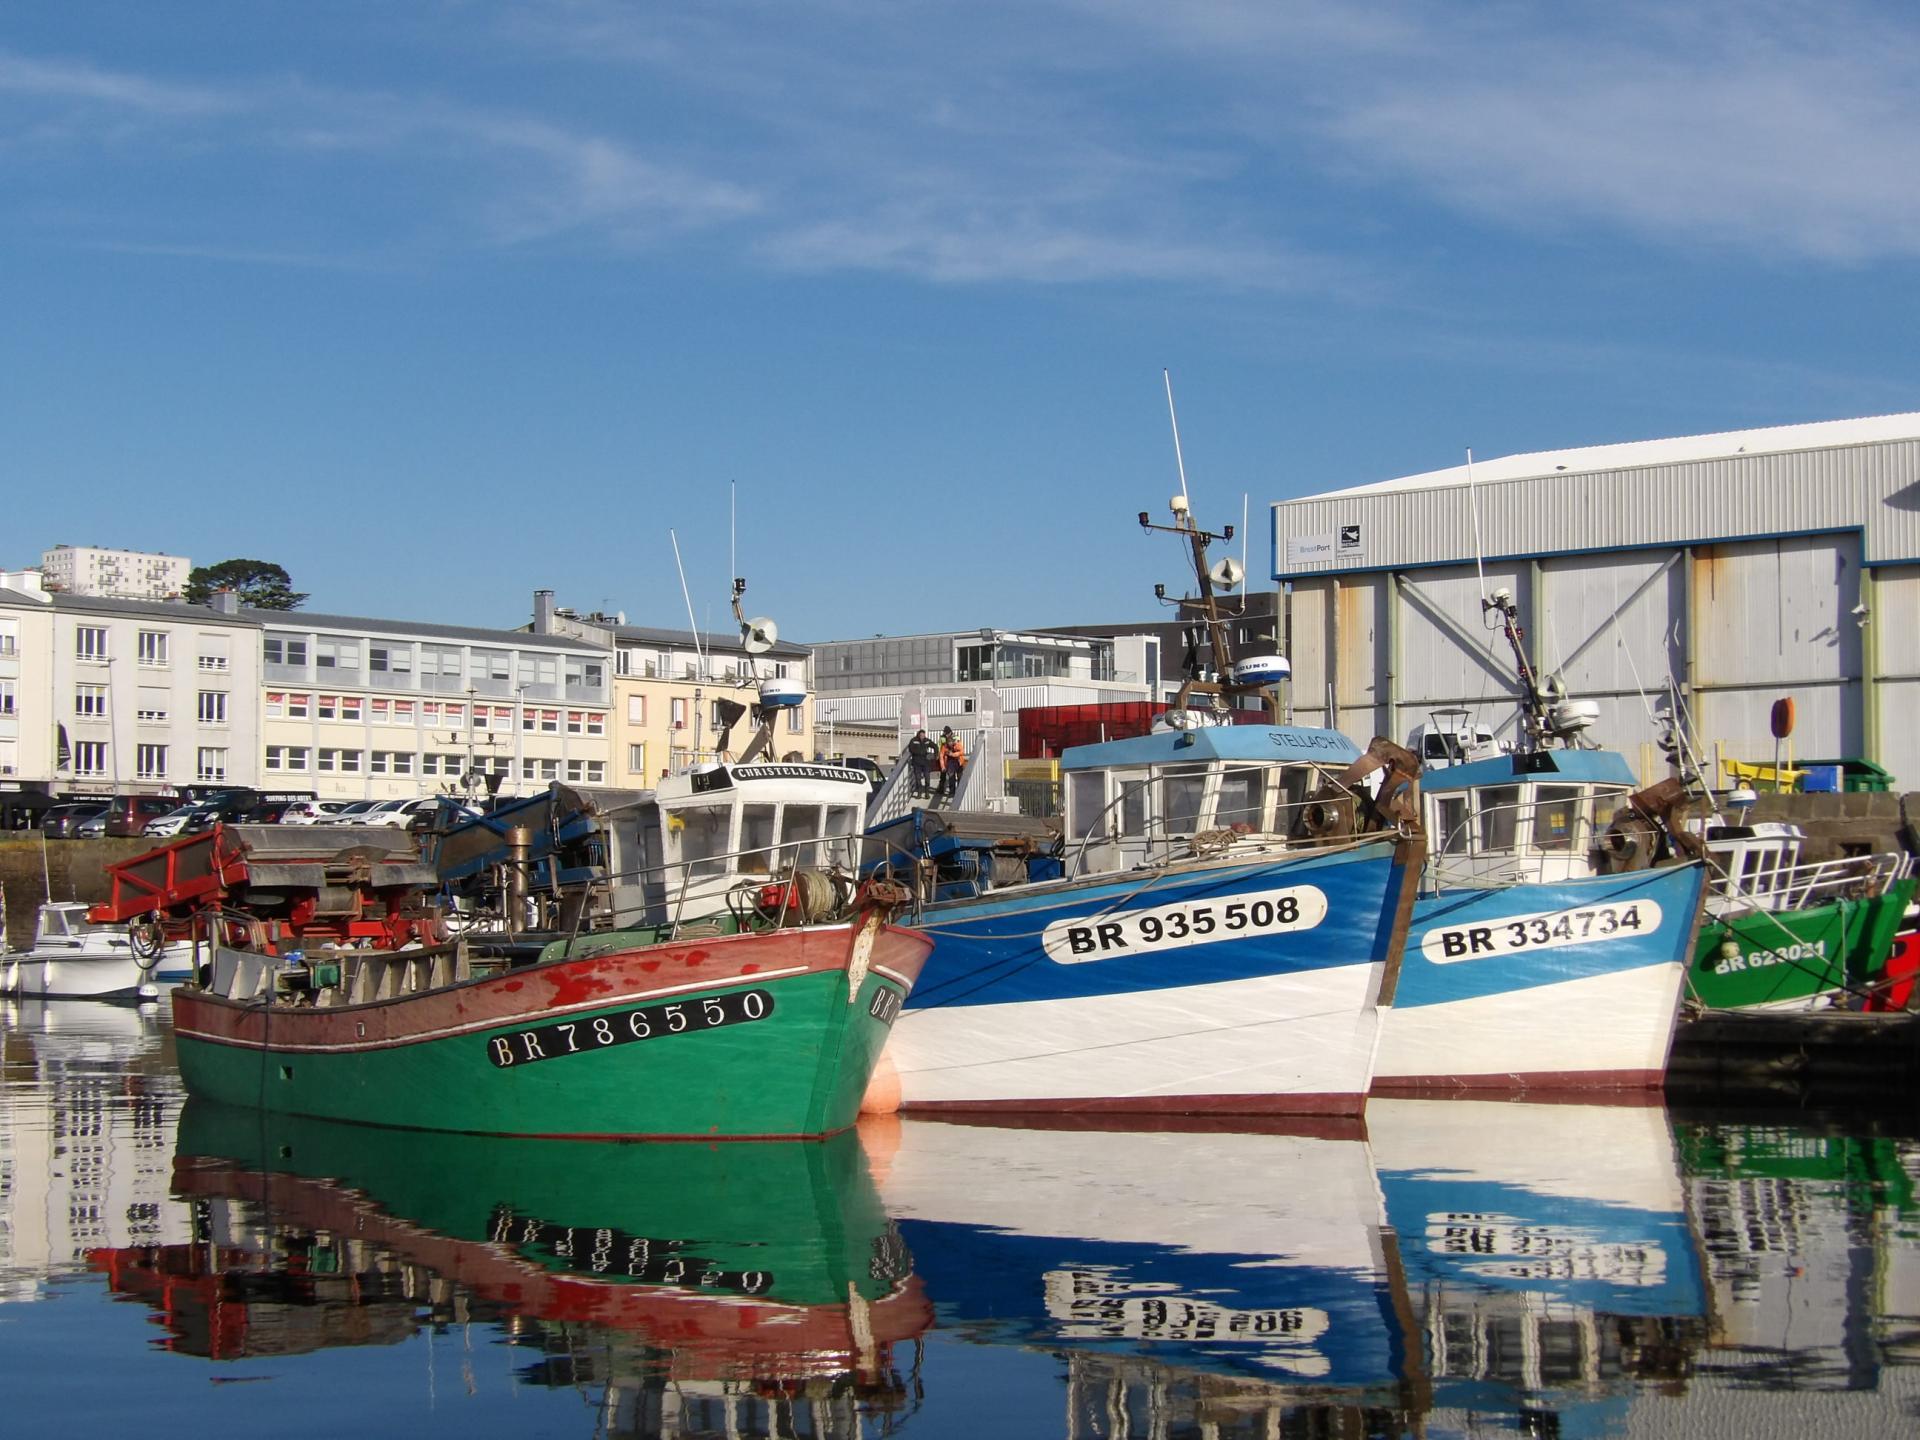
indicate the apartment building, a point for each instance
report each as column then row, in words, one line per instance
column 671, row 694
column 103, row 694
column 358, row 708
column 115, row 574
column 671, row 687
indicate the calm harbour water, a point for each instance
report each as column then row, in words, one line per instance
column 1458, row 1269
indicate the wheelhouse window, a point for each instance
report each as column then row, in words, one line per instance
column 1182, row 789
column 1450, row 821
column 800, row 834
column 756, row 838
column 1086, row 802
column 1556, row 817
column 1499, row 815
column 704, row 832
column 1242, row 800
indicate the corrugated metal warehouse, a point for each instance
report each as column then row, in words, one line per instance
column 1746, row 567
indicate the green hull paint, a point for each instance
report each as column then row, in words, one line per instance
column 1796, row 958
column 801, row 1218
column 800, row 1071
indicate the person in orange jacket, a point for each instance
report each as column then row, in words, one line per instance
column 953, row 759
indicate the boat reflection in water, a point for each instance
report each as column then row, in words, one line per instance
column 1548, row 1255
column 88, row 1103
column 1247, row 1272
column 752, row 1285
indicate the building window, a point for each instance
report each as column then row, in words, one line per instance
column 390, row 659
column 284, row 650
column 286, row 757
column 349, row 707
column 90, row 643
column 550, row 721
column 482, row 717
column 213, row 663
column 637, row 759
column 90, row 757
column 576, row 722
column 328, row 760
column 336, row 654
column 549, row 769
column 403, row 762
column 596, row 723
column 596, row 772
column 575, row 769
column 796, row 719
column 149, row 762
column 6, row 697
column 457, row 713
column 151, row 707
column 379, row 710
column 636, row 709
column 327, row 707
column 213, row 707
column 153, row 647
column 403, row 710
column 90, row 701
column 529, row 719
column 526, row 769
column 211, row 763
column 297, row 706
column 679, row 711
column 349, row 762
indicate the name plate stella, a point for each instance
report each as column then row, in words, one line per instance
column 1187, row 922
column 649, row 1022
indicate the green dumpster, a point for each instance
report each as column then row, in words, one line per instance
column 1857, row 777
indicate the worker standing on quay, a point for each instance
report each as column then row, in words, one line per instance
column 953, row 759
column 922, row 755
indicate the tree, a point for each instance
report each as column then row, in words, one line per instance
column 260, row 584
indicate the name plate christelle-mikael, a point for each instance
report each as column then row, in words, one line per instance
column 1188, row 922
column 1548, row 930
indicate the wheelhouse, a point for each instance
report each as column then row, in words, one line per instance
column 1143, row 800
column 1531, row 816
column 722, row 824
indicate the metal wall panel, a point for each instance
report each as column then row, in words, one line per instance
column 1448, row 655
column 1309, row 648
column 1895, row 635
column 1776, row 612
column 1841, row 488
column 1611, row 625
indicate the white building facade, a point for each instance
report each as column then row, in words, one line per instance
column 116, row 574
column 355, row 708
column 1731, row 570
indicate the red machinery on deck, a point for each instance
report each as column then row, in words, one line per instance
column 256, row 886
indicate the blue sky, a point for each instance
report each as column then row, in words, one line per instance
column 435, row 303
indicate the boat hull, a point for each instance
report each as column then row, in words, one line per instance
column 1796, row 959
column 27, row 976
column 742, row 1036
column 1570, row 986
column 1227, row 1017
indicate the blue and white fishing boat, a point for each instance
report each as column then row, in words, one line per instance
column 1192, row 959
column 1237, row 979
column 1524, row 969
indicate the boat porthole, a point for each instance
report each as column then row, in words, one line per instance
column 286, row 1072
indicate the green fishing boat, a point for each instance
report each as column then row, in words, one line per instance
column 751, row 1035
column 1782, row 935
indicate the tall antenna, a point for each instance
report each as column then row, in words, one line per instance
column 1178, row 459
column 733, row 529
column 692, row 624
column 1473, row 499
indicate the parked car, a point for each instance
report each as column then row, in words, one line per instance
column 174, row 822
column 353, row 812
column 316, row 812
column 410, row 814
column 129, row 814
column 63, row 821
column 91, row 828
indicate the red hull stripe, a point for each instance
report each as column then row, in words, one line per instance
column 1590, row 1086
column 1325, row 1104
column 557, row 988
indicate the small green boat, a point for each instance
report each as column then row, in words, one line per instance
column 752, row 1035
column 1781, row 935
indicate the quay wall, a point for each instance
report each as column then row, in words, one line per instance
column 77, row 869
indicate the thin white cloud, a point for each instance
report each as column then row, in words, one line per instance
column 78, row 81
